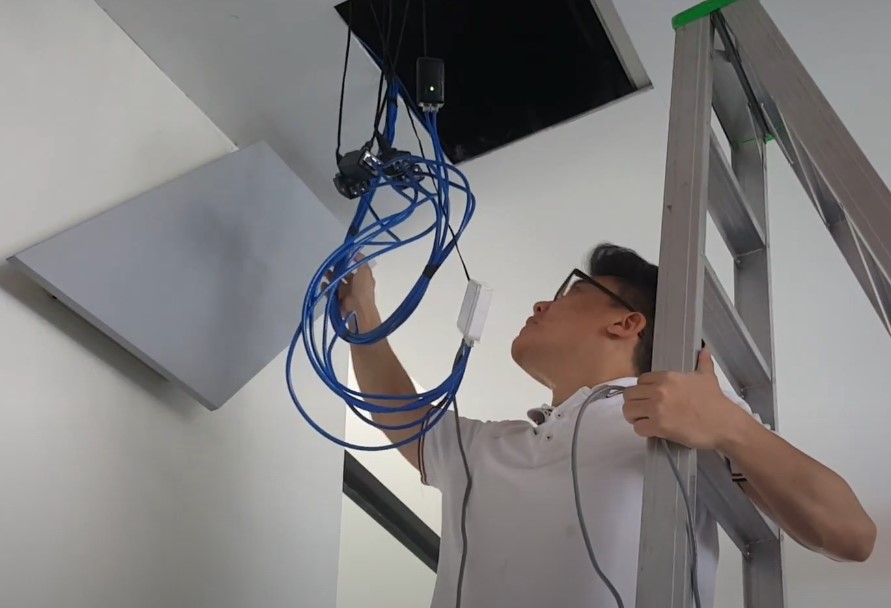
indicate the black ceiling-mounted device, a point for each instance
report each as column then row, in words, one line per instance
column 430, row 75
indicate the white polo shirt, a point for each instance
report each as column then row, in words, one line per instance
column 525, row 548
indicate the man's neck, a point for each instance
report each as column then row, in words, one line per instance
column 565, row 389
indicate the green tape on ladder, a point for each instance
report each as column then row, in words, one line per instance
column 703, row 9
column 767, row 139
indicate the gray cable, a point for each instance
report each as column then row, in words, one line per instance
column 609, row 391
column 463, row 507
column 575, row 488
column 691, row 530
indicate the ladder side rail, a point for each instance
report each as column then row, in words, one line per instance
column 664, row 563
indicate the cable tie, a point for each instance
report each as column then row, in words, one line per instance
column 430, row 270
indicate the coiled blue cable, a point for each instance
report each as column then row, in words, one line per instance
column 430, row 183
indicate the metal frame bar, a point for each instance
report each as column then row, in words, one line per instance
column 373, row 497
column 764, row 581
column 823, row 141
column 664, row 561
column 618, row 36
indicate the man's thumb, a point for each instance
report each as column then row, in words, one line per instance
column 705, row 365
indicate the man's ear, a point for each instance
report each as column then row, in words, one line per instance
column 631, row 324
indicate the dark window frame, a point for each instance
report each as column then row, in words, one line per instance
column 393, row 515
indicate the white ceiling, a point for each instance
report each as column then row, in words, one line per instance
column 270, row 69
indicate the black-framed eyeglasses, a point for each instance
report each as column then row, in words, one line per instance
column 577, row 275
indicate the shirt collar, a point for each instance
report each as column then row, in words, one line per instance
column 539, row 415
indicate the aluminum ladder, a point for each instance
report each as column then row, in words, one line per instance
column 730, row 57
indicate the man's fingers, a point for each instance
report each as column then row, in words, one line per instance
column 646, row 428
column 635, row 410
column 705, row 364
column 639, row 393
column 651, row 378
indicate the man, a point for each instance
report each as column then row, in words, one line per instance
column 524, row 547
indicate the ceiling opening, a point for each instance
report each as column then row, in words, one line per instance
column 513, row 67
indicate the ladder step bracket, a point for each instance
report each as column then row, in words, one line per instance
column 732, row 509
column 728, row 206
column 729, row 102
column 729, row 339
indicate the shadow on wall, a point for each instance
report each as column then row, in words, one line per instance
column 36, row 299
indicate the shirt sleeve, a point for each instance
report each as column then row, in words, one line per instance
column 439, row 454
column 735, row 473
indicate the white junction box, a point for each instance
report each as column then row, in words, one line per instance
column 474, row 309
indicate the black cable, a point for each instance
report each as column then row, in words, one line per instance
column 389, row 69
column 467, row 487
column 460, row 257
column 395, row 62
column 451, row 230
column 346, row 61
column 424, row 25
column 389, row 22
column 463, row 508
column 385, row 55
column 408, row 110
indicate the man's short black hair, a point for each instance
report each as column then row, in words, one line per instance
column 637, row 285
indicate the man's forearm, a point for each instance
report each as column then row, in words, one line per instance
column 808, row 500
column 378, row 370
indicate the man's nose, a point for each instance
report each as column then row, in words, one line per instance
column 540, row 307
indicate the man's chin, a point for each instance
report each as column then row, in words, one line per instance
column 519, row 348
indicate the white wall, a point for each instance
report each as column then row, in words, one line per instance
column 117, row 490
column 376, row 570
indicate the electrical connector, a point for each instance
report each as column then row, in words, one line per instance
column 472, row 318
column 356, row 170
column 397, row 163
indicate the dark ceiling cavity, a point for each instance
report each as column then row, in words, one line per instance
column 513, row 67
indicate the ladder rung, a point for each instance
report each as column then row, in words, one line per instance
column 732, row 509
column 729, row 338
column 728, row 205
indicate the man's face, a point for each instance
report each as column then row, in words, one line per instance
column 568, row 329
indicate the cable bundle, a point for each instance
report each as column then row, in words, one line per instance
column 419, row 181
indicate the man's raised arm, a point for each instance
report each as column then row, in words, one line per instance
column 378, row 370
